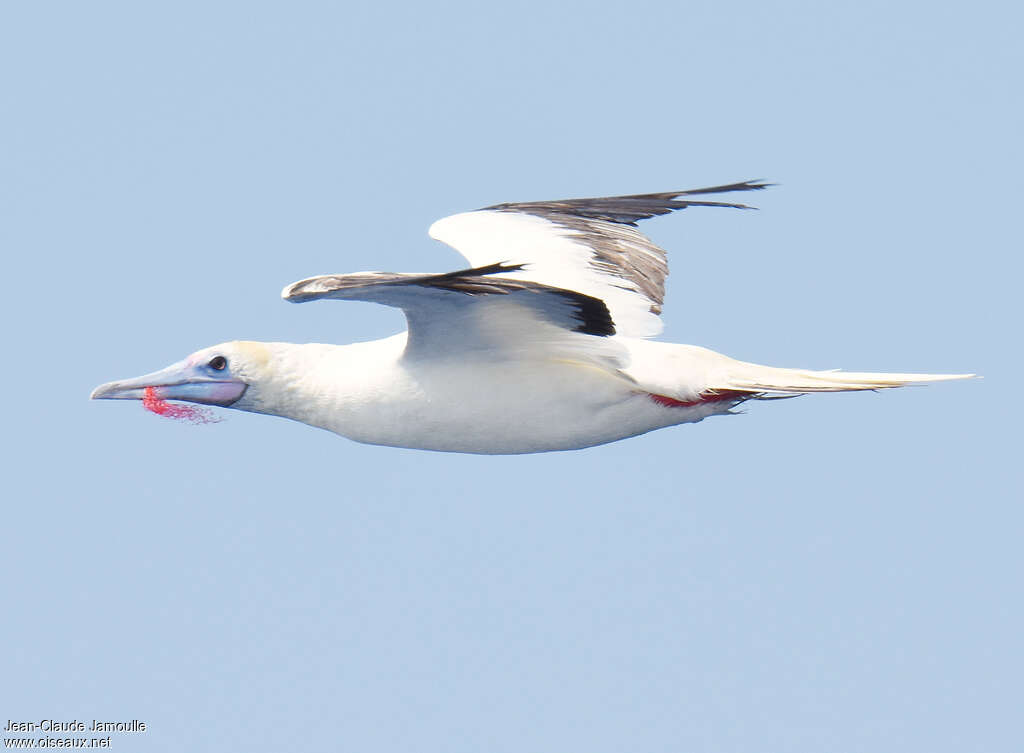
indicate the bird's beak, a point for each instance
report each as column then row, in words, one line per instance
column 180, row 381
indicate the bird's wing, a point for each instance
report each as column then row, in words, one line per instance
column 590, row 246
column 480, row 311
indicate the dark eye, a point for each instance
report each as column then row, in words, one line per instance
column 218, row 363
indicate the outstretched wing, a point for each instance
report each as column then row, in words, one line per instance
column 479, row 310
column 590, row 246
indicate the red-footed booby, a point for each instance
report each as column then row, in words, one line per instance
column 539, row 345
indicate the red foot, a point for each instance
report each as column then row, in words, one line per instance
column 707, row 397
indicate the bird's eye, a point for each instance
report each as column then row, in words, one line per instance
column 218, row 363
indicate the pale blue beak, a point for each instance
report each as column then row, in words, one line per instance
column 193, row 383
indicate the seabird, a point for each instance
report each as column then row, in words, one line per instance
column 539, row 345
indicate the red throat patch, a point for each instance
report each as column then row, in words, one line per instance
column 191, row 413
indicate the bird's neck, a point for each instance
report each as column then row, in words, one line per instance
column 319, row 384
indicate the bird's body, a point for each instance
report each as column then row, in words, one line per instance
column 370, row 393
column 540, row 346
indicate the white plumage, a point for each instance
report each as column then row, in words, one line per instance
column 538, row 346
column 558, row 257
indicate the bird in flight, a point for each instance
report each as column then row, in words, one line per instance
column 539, row 345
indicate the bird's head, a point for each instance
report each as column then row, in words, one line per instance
column 226, row 375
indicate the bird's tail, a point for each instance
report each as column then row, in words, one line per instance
column 750, row 377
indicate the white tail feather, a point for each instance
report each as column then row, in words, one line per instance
column 750, row 377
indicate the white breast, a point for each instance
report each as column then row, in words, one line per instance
column 369, row 393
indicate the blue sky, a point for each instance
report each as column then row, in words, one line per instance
column 829, row 573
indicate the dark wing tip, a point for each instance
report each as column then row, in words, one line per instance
column 746, row 185
column 298, row 292
column 630, row 209
column 325, row 286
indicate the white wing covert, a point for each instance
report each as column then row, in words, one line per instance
column 590, row 246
